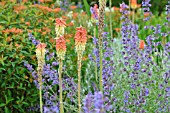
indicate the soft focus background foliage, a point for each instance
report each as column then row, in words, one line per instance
column 18, row 19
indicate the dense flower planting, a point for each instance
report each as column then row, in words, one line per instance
column 63, row 57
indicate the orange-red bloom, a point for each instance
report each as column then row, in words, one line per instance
column 41, row 46
column 133, row 4
column 73, row 7
column 61, row 47
column 56, row 10
column 116, row 8
column 142, row 44
column 61, row 44
column 40, row 51
column 60, row 22
column 60, row 25
column 80, row 38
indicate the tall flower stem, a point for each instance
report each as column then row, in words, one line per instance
column 95, row 57
column 102, row 5
column 111, row 29
column 129, row 10
column 133, row 18
column 40, row 54
column 79, row 80
column 60, row 85
column 40, row 88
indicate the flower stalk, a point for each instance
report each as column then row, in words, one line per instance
column 61, row 50
column 80, row 42
column 79, row 79
column 111, row 28
column 102, row 5
column 95, row 57
column 40, row 54
column 60, row 86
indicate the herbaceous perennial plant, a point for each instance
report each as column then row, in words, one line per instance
column 133, row 75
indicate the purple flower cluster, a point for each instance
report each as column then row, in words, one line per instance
column 33, row 39
column 146, row 8
column 168, row 11
column 50, row 83
column 64, row 4
column 94, row 103
column 93, row 11
column 138, row 69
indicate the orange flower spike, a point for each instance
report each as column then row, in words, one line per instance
column 61, row 47
column 80, row 39
column 133, row 4
column 60, row 25
column 142, row 44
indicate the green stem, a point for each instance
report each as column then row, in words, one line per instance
column 60, row 86
column 41, row 104
column 133, row 19
column 79, row 81
column 95, row 56
column 102, row 5
column 101, row 68
column 129, row 10
column 111, row 29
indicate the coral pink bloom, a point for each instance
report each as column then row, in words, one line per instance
column 40, row 51
column 61, row 44
column 80, row 36
column 60, row 25
column 80, row 39
column 116, row 8
column 61, row 47
column 41, row 46
column 133, row 4
column 60, row 22
column 142, row 44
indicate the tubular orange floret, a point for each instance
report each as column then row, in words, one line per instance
column 61, row 47
column 134, row 4
column 60, row 25
column 41, row 46
column 142, row 44
column 80, row 38
column 40, row 51
column 60, row 22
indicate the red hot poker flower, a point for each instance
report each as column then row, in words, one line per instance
column 142, row 44
column 60, row 22
column 134, row 4
column 60, row 25
column 61, row 47
column 80, row 38
column 40, row 51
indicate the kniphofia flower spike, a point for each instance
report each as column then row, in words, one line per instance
column 60, row 25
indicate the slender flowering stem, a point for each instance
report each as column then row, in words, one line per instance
column 129, row 9
column 80, row 42
column 95, row 57
column 40, row 92
column 111, row 29
column 102, row 5
column 79, row 80
column 60, row 85
column 61, row 50
column 133, row 16
column 40, row 54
